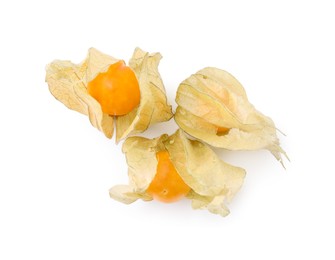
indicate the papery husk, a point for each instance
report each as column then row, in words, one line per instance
column 142, row 164
column 213, row 182
column 213, row 98
column 127, row 194
column 141, row 159
column 216, row 205
column 153, row 107
column 68, row 83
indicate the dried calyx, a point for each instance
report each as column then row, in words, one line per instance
column 212, row 182
column 79, row 87
column 213, row 107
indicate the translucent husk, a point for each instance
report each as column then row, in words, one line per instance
column 213, row 182
column 68, row 83
column 211, row 99
column 153, row 107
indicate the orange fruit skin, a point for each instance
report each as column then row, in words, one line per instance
column 167, row 186
column 117, row 90
column 222, row 130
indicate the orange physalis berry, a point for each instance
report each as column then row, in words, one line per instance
column 167, row 186
column 117, row 90
column 222, row 130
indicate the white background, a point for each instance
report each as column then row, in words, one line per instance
column 56, row 169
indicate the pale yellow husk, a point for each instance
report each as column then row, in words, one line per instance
column 153, row 107
column 213, row 182
column 213, row 98
column 68, row 83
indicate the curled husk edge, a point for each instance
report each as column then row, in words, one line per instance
column 68, row 83
column 212, row 99
column 213, row 182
